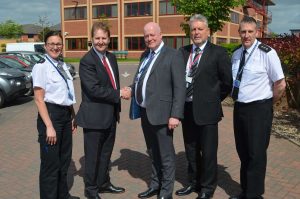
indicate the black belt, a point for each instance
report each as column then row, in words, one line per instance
column 57, row 106
column 255, row 102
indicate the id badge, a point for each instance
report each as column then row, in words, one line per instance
column 70, row 96
column 188, row 79
column 236, row 83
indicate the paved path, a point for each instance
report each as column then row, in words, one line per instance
column 130, row 168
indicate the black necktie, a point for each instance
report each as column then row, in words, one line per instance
column 139, row 85
column 192, row 72
column 235, row 90
column 61, row 70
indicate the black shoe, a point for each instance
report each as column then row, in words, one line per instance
column 148, row 193
column 93, row 197
column 241, row 196
column 204, row 196
column 163, row 197
column 73, row 197
column 111, row 189
column 185, row 190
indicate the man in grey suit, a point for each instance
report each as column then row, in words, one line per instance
column 208, row 81
column 159, row 91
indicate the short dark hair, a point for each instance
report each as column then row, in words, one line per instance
column 52, row 33
column 102, row 26
column 248, row 19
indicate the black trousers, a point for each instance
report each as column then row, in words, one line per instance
column 55, row 159
column 252, row 128
column 201, row 147
column 159, row 142
column 98, row 147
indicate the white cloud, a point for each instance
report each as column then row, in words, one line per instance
column 25, row 12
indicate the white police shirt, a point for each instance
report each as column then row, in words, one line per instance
column 262, row 69
column 45, row 76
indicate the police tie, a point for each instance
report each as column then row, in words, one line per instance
column 235, row 90
column 192, row 72
column 61, row 70
column 139, row 85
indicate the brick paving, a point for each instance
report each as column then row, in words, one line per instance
column 130, row 167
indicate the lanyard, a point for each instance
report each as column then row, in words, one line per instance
column 242, row 68
column 196, row 58
column 58, row 71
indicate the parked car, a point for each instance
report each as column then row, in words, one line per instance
column 13, row 84
column 9, row 63
column 14, row 58
column 36, row 57
column 29, row 46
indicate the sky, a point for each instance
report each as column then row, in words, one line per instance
column 285, row 14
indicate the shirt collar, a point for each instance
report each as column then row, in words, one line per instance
column 158, row 49
column 100, row 55
column 201, row 47
column 251, row 48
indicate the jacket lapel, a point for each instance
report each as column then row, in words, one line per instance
column 160, row 57
column 204, row 58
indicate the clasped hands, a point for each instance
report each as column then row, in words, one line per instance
column 125, row 93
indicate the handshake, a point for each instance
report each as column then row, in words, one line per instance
column 125, row 93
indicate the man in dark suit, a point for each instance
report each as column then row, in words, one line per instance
column 208, row 82
column 99, row 111
column 159, row 91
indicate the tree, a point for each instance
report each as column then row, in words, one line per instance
column 45, row 24
column 216, row 11
column 10, row 30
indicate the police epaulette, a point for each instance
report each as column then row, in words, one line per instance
column 264, row 48
column 42, row 60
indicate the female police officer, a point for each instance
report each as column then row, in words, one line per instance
column 54, row 98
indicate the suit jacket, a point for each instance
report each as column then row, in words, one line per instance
column 165, row 89
column 100, row 101
column 212, row 83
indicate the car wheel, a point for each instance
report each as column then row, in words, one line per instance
column 2, row 100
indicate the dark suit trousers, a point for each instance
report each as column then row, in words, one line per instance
column 201, row 146
column 55, row 159
column 252, row 128
column 98, row 147
column 159, row 141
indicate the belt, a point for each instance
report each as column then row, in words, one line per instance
column 256, row 102
column 57, row 106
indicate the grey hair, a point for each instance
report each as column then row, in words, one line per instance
column 248, row 19
column 198, row 17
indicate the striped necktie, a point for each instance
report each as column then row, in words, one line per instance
column 192, row 72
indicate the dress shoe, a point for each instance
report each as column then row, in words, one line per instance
column 148, row 193
column 93, row 197
column 242, row 196
column 73, row 197
column 204, row 196
column 185, row 190
column 111, row 189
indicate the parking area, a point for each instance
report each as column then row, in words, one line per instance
column 130, row 166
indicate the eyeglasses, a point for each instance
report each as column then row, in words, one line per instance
column 52, row 45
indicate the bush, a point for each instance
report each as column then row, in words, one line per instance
column 288, row 49
column 230, row 47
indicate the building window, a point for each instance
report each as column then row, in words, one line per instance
column 135, row 43
column 105, row 11
column 138, row 9
column 234, row 17
column 235, row 41
column 166, row 8
column 76, row 44
column 221, row 40
column 176, row 42
column 113, row 45
column 75, row 13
